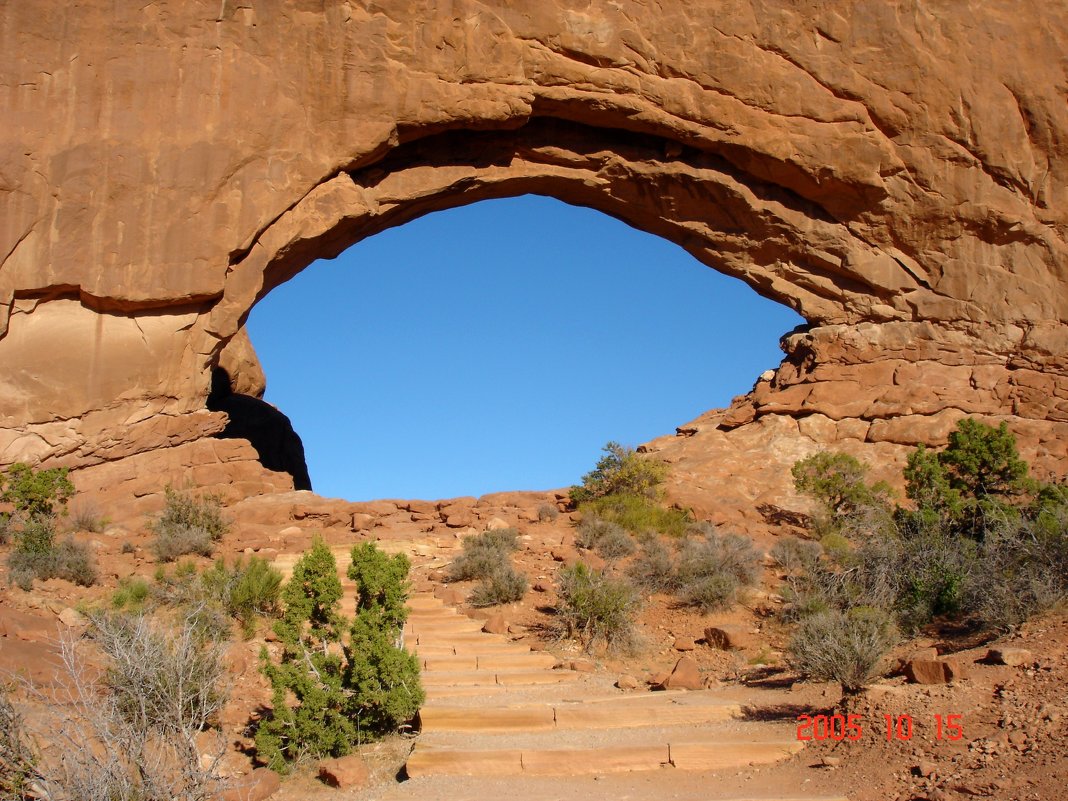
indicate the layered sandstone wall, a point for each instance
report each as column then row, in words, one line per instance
column 895, row 171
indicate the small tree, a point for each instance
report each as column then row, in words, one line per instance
column 621, row 471
column 837, row 482
column 350, row 680
column 972, row 481
column 383, row 677
column 310, row 669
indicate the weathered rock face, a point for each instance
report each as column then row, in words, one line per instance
column 894, row 172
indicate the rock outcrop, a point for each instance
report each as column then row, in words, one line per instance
column 894, row 172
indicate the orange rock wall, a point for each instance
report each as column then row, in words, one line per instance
column 894, row 171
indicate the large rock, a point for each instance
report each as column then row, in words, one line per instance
column 863, row 167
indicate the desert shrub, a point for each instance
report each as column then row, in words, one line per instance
column 34, row 493
column 85, row 516
column 338, row 682
column 37, row 497
column 837, row 482
column 621, row 471
column 712, row 570
column 638, row 514
column 653, row 570
column 547, row 512
column 487, row 557
column 18, row 756
column 484, row 554
column 37, row 555
column 840, row 646
column 596, row 609
column 74, row 563
column 246, row 591
column 1021, row 569
column 812, row 583
column 609, row 539
column 132, row 594
column 141, row 729
column 711, row 593
column 505, row 586
column 128, row 547
column 982, row 542
column 163, row 674
column 615, row 544
column 189, row 524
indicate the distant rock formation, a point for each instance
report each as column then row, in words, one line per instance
column 267, row 429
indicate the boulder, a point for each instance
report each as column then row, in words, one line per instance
column 345, row 773
column 684, row 676
column 1013, row 657
column 729, row 637
column 260, row 784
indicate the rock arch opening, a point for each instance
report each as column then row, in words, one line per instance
column 497, row 347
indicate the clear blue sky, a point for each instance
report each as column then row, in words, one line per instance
column 499, row 346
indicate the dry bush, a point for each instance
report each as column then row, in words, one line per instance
column 137, row 730
column 547, row 513
column 654, row 570
column 596, row 609
column 188, row 524
column 505, row 586
column 712, row 570
column 484, row 554
column 842, row 647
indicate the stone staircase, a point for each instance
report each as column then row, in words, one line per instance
column 496, row 710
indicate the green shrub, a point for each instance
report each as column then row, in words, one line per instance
column 505, row 586
column 188, row 525
column 596, row 609
column 246, row 591
column 842, row 647
column 132, row 594
column 977, row 480
column 638, row 514
column 338, row 682
column 621, row 471
column 837, row 482
column 653, row 570
column 383, row 677
column 36, row 493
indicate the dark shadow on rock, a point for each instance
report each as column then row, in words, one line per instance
column 267, row 429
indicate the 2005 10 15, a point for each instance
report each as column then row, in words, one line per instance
column 851, row 727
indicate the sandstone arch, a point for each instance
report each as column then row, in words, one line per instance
column 893, row 171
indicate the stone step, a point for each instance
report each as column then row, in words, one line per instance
column 478, row 648
column 596, row 714
column 457, row 638
column 455, row 625
column 470, row 659
column 429, row 760
column 505, row 678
